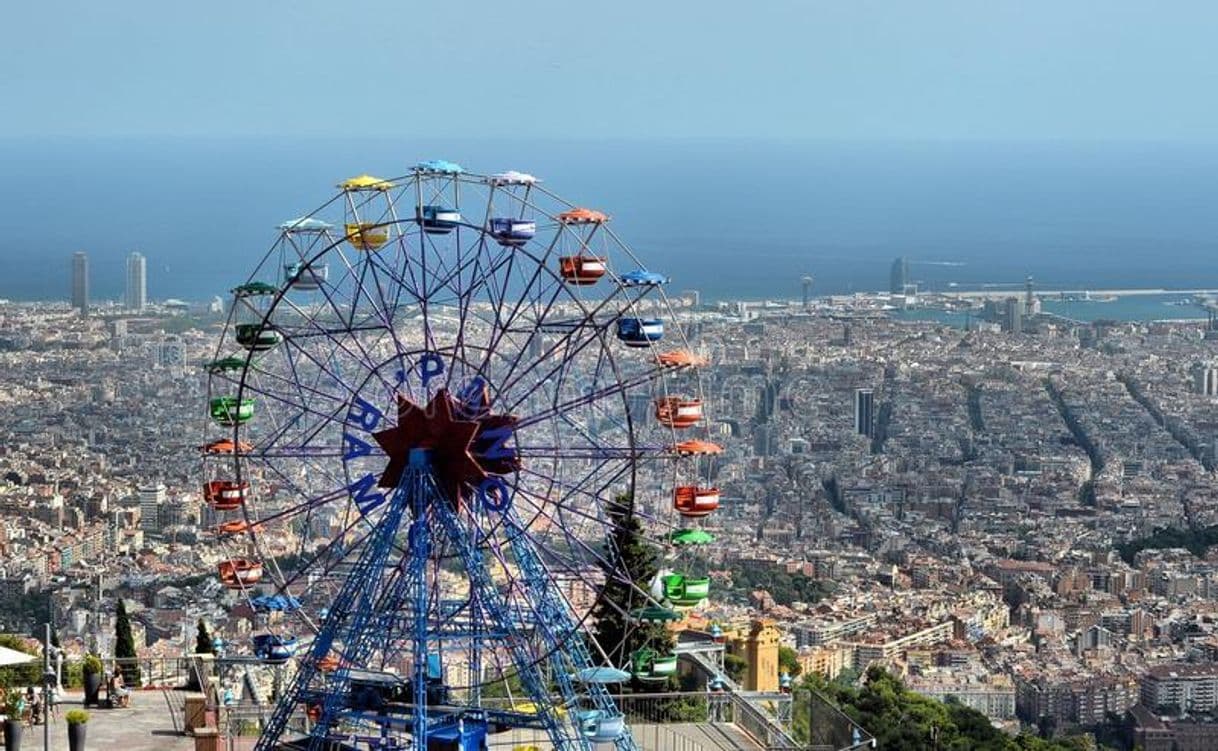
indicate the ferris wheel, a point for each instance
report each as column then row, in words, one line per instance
column 435, row 400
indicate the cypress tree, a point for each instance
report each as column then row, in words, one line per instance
column 124, row 645
column 203, row 641
column 632, row 561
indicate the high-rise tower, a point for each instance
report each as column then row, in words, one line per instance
column 137, row 282
column 807, row 287
column 898, row 277
column 80, row 281
column 864, row 411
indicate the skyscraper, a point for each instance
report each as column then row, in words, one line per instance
column 899, row 276
column 1205, row 379
column 152, row 498
column 80, row 281
column 864, row 411
column 807, row 287
column 1013, row 318
column 137, row 282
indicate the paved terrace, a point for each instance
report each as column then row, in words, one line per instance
column 153, row 720
column 147, row 725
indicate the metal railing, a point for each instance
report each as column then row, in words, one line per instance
column 651, row 716
column 760, row 725
column 829, row 728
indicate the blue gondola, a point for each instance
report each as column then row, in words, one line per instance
column 643, row 278
column 273, row 648
column 600, row 727
column 717, row 685
column 304, row 277
column 275, row 603
column 438, row 220
column 784, row 682
column 639, row 332
column 440, row 166
column 601, row 676
column 512, row 233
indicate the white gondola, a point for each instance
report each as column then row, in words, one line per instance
column 512, row 177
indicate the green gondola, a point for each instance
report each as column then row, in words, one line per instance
column 691, row 537
column 649, row 665
column 254, row 289
column 228, row 410
column 254, row 337
column 686, row 592
column 225, row 363
column 655, row 614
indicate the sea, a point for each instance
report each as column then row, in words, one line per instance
column 733, row 219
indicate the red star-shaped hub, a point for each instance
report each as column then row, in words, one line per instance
column 465, row 446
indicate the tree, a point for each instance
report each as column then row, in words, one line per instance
column 633, row 565
column 203, row 640
column 124, row 645
column 788, row 662
column 900, row 718
column 734, row 665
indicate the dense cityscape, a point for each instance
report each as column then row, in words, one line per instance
column 1017, row 515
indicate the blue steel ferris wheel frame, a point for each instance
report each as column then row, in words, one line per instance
column 377, row 574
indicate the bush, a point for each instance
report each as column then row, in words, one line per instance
column 92, row 665
column 10, row 700
column 76, row 717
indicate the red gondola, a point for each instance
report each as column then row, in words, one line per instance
column 225, row 495
column 678, row 412
column 238, row 573
column 692, row 501
column 581, row 270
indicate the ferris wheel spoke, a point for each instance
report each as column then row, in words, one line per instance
column 571, row 347
column 613, row 389
column 591, row 556
column 589, row 452
column 330, row 336
column 538, row 268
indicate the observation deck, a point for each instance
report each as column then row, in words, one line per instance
column 160, row 718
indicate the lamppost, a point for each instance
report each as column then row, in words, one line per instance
column 49, row 680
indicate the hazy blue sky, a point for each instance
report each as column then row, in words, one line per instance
column 986, row 69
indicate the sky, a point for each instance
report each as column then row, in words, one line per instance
column 850, row 69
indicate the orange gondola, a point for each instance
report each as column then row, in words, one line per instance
column 692, row 501
column 234, row 527
column 328, row 664
column 678, row 412
column 583, row 216
column 225, row 495
column 581, row 270
column 238, row 573
column 226, row 446
column 679, row 358
column 697, row 448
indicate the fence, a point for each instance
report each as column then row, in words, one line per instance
column 828, row 728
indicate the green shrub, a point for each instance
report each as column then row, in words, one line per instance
column 11, row 701
column 76, row 717
column 92, row 665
